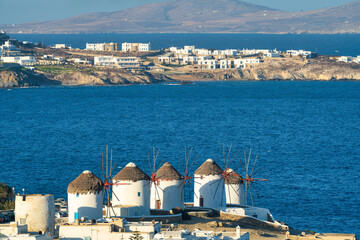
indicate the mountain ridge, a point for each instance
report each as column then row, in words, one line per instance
column 203, row 16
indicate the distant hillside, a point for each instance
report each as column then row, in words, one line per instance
column 203, row 16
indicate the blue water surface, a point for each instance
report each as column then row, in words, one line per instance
column 306, row 135
column 324, row 44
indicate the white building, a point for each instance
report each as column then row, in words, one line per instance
column 301, row 53
column 225, row 63
column 119, row 230
column 207, row 64
column 134, row 47
column 346, row 59
column 198, row 234
column 227, row 52
column 85, row 197
column 189, row 59
column 209, row 187
column 234, row 188
column 124, row 62
column 14, row 231
column 132, row 188
column 22, row 60
column 62, row 45
column 203, row 51
column 8, row 46
column 167, row 194
column 357, row 60
column 257, row 51
column 95, row 46
column 174, row 49
column 37, row 211
column 189, row 48
column 243, row 62
column 262, row 214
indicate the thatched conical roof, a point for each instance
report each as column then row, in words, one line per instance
column 131, row 173
column 168, row 172
column 86, row 182
column 233, row 177
column 208, row 168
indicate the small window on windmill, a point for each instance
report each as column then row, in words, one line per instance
column 139, row 194
column 22, row 221
column 24, row 198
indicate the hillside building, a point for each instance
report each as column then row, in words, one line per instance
column 135, row 47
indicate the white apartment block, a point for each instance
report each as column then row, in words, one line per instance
column 95, row 46
column 357, row 60
column 189, row 59
column 62, row 45
column 203, row 51
column 189, row 48
column 227, row 52
column 225, row 63
column 8, row 46
column 207, row 64
column 22, row 60
column 174, row 49
column 242, row 62
column 346, row 59
column 124, row 62
column 302, row 53
column 144, row 47
column 256, row 51
column 135, row 47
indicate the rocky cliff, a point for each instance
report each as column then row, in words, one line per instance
column 281, row 69
column 18, row 77
column 13, row 78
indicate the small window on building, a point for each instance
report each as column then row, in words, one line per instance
column 139, row 194
column 77, row 195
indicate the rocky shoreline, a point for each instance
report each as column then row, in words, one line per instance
column 285, row 70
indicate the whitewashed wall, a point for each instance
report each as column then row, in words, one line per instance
column 134, row 194
column 205, row 187
column 234, row 193
column 170, row 194
column 87, row 205
column 37, row 210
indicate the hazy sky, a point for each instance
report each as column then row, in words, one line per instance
column 20, row 11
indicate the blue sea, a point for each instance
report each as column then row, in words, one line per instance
column 306, row 135
column 325, row 44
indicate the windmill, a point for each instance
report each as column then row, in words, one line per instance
column 250, row 180
column 106, row 170
column 188, row 179
column 155, row 200
column 228, row 176
column 237, row 188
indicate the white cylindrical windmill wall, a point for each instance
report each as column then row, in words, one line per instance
column 234, row 188
column 85, row 197
column 37, row 211
column 133, row 189
column 209, row 187
column 168, row 191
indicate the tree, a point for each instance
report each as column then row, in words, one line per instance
column 136, row 236
column 6, row 197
